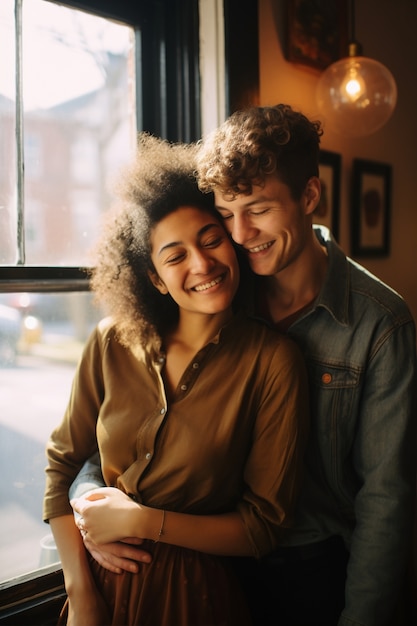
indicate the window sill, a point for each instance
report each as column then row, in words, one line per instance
column 36, row 598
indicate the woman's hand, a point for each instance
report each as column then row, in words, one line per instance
column 118, row 556
column 108, row 515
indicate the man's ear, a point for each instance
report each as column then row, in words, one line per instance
column 158, row 283
column 311, row 195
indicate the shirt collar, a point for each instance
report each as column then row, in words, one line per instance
column 154, row 351
column 334, row 294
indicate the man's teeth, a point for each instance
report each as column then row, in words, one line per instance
column 212, row 283
column 263, row 246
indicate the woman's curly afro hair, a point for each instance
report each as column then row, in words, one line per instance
column 159, row 181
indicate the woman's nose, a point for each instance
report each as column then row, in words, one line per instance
column 202, row 262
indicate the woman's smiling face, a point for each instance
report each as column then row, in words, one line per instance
column 195, row 261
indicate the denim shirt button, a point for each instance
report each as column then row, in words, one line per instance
column 326, row 378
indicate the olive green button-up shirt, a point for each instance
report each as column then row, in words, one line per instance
column 231, row 439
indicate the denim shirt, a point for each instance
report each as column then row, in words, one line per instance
column 360, row 347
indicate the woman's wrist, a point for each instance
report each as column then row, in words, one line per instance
column 149, row 523
column 161, row 527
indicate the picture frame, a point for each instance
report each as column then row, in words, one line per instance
column 316, row 32
column 327, row 211
column 370, row 208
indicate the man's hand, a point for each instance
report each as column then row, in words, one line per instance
column 118, row 556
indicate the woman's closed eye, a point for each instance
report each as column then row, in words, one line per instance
column 213, row 242
column 175, row 257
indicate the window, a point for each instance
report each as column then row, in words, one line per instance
column 78, row 126
column 33, row 155
column 88, row 75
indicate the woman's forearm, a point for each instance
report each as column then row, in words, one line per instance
column 73, row 555
column 214, row 534
column 86, row 605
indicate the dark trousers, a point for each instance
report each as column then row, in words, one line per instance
column 296, row 586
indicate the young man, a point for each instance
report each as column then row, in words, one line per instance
column 344, row 561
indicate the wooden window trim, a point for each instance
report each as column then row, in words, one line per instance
column 43, row 279
column 35, row 598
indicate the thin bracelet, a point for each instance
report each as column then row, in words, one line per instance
column 161, row 530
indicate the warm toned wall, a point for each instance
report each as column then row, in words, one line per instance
column 387, row 31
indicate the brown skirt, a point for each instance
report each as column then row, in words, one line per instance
column 179, row 588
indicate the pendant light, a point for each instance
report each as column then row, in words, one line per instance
column 356, row 95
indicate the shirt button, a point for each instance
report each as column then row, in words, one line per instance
column 148, row 456
column 326, row 378
column 162, row 411
column 184, row 387
column 196, row 366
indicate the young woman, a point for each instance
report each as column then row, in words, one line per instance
column 188, row 402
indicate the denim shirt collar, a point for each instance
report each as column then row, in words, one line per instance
column 334, row 294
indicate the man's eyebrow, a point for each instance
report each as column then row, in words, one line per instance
column 259, row 200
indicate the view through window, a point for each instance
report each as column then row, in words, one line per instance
column 78, row 120
column 78, row 128
column 41, row 338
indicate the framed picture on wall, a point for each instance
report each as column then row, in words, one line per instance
column 370, row 208
column 316, row 32
column 327, row 211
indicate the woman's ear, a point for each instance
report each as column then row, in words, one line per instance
column 158, row 283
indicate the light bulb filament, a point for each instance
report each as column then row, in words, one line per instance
column 353, row 87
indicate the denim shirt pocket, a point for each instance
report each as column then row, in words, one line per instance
column 335, row 395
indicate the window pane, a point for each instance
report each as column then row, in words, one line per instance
column 41, row 338
column 78, row 127
column 8, row 218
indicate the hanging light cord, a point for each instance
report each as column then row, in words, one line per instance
column 354, row 47
column 351, row 21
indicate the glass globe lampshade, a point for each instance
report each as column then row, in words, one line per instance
column 356, row 95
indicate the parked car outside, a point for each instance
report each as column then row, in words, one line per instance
column 10, row 333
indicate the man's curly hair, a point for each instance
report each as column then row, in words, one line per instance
column 256, row 142
column 160, row 180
